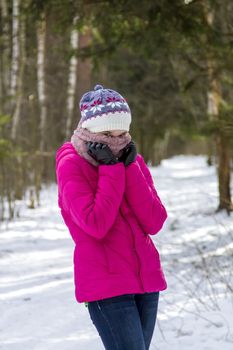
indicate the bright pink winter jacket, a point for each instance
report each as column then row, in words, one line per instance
column 110, row 211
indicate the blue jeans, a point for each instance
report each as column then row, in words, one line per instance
column 125, row 322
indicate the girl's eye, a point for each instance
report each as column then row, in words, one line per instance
column 112, row 136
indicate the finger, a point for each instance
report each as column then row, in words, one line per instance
column 91, row 150
column 91, row 145
column 98, row 146
column 133, row 145
column 90, row 154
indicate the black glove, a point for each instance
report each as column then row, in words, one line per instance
column 129, row 154
column 101, row 153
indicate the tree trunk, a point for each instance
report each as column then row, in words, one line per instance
column 84, row 71
column 41, row 44
column 160, row 149
column 5, row 58
column 19, row 84
column 224, row 172
column 214, row 98
column 15, row 49
column 72, row 78
column 41, row 36
column 209, row 146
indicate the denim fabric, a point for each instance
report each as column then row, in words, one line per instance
column 125, row 322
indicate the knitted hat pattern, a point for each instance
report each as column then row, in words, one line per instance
column 103, row 110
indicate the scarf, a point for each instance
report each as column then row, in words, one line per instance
column 82, row 135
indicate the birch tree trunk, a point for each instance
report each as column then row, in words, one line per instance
column 38, row 160
column 84, row 71
column 19, row 80
column 5, row 56
column 41, row 36
column 74, row 38
column 15, row 49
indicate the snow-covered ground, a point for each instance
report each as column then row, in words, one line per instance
column 37, row 303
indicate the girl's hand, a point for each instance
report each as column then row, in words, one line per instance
column 101, row 153
column 129, row 154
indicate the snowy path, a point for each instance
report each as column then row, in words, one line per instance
column 37, row 304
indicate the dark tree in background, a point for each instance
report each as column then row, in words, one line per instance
column 191, row 42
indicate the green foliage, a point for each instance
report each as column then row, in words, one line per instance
column 156, row 53
column 63, row 11
column 226, row 118
column 8, row 149
column 4, row 119
column 4, row 149
column 224, row 123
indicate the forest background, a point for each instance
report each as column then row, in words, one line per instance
column 172, row 60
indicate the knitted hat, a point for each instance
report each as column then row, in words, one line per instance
column 103, row 110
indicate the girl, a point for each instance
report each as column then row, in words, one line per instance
column 110, row 205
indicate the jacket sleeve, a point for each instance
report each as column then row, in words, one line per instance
column 94, row 211
column 143, row 197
